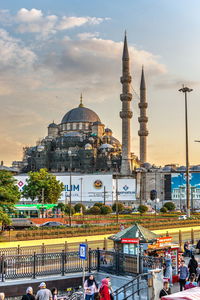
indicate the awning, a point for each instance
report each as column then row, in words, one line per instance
column 191, row 294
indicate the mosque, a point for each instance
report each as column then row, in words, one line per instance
column 81, row 143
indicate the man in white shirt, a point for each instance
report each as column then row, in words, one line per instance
column 43, row 293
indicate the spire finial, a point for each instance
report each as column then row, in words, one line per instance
column 125, row 50
column 142, row 82
column 81, row 100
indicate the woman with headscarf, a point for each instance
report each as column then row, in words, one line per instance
column 29, row 294
column 104, row 290
column 168, row 270
column 90, row 287
column 193, row 265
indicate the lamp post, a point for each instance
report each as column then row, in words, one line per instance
column 186, row 90
column 70, row 188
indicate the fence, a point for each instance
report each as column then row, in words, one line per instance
column 27, row 250
column 134, row 289
column 31, row 266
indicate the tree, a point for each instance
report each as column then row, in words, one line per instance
column 98, row 204
column 120, row 207
column 169, row 206
column 9, row 196
column 79, row 207
column 43, row 184
column 94, row 210
column 142, row 208
column 105, row 209
column 163, row 209
column 67, row 209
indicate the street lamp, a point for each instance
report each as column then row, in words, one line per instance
column 70, row 188
column 186, row 90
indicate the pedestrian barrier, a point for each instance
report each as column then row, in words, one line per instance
column 61, row 263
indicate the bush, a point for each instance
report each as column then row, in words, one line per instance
column 142, row 208
column 120, row 207
column 163, row 209
column 78, row 207
column 169, row 206
column 95, row 210
column 105, row 209
column 67, row 209
column 98, row 204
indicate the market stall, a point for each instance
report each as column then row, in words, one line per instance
column 161, row 248
column 191, row 294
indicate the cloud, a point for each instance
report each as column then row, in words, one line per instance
column 26, row 16
column 35, row 21
column 174, row 83
column 71, row 22
column 13, row 53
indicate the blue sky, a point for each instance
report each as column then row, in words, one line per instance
column 58, row 49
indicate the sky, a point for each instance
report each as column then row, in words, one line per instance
column 52, row 51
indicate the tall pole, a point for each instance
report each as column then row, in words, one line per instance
column 186, row 90
column 70, row 190
column 104, row 195
column 117, row 201
column 42, row 203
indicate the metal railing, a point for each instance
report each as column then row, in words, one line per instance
column 135, row 289
column 31, row 266
column 44, row 264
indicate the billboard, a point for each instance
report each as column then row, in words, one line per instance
column 178, row 186
column 92, row 188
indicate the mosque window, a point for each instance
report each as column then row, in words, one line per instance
column 68, row 126
column 86, row 126
column 80, row 125
column 74, row 126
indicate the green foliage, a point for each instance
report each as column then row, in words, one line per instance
column 142, row 208
column 67, row 209
column 61, row 206
column 105, row 209
column 9, row 196
column 79, row 207
column 120, row 207
column 45, row 181
column 169, row 206
column 163, row 209
column 95, row 210
column 98, row 204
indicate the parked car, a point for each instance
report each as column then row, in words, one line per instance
column 52, row 224
column 21, row 223
column 184, row 217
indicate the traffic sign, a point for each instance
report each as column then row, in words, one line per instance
column 83, row 251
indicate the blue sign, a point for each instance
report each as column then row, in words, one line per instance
column 83, row 251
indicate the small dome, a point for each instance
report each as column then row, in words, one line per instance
column 52, row 125
column 80, row 114
column 182, row 168
column 146, row 165
column 40, row 148
column 88, row 147
column 106, row 146
column 108, row 130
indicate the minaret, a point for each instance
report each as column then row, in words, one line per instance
column 126, row 113
column 143, row 132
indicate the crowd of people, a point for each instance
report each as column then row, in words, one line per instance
column 92, row 291
column 189, row 275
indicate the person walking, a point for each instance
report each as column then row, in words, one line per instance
column 54, row 292
column 183, row 274
column 110, row 288
column 192, row 266
column 104, row 290
column 2, row 296
column 168, row 270
column 198, row 246
column 29, row 294
column 90, row 287
column 43, row 293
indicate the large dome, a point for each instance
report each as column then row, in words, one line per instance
column 80, row 114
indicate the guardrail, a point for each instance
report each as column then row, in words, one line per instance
column 44, row 264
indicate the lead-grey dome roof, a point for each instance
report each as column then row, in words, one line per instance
column 80, row 114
